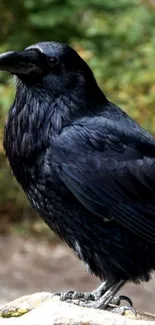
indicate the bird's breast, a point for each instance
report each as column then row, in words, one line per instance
column 50, row 197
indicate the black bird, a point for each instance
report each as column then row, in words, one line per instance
column 85, row 165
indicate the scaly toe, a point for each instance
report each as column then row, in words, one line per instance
column 85, row 296
column 67, row 295
column 126, row 311
column 73, row 295
column 90, row 304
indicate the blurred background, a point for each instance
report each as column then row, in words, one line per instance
column 117, row 39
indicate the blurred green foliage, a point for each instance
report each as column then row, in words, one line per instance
column 116, row 38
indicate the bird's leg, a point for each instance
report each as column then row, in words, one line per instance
column 103, row 298
column 86, row 296
column 102, row 295
column 99, row 291
column 105, row 294
column 106, row 299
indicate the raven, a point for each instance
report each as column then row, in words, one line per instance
column 85, row 165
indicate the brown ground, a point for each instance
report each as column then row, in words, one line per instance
column 29, row 265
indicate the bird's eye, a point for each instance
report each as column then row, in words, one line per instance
column 52, row 61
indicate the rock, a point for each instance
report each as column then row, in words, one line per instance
column 45, row 309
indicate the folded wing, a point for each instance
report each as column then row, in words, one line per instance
column 110, row 170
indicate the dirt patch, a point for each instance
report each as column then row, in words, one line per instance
column 30, row 265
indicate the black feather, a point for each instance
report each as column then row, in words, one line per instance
column 85, row 165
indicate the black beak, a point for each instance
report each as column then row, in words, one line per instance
column 27, row 62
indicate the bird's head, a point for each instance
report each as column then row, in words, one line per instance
column 49, row 65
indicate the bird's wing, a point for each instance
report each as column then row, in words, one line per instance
column 110, row 167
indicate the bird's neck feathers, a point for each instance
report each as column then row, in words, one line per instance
column 32, row 119
column 36, row 116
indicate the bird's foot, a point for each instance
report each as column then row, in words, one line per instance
column 83, row 296
column 114, row 306
column 74, row 295
column 102, row 298
column 128, row 311
column 105, row 302
column 91, row 300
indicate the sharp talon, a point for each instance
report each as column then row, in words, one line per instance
column 117, row 300
column 126, row 299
